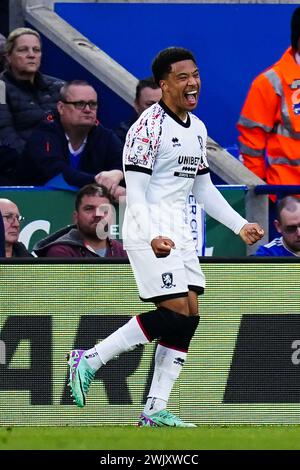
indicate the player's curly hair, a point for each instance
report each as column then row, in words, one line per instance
column 162, row 63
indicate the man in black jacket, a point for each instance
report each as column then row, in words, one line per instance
column 75, row 146
column 26, row 96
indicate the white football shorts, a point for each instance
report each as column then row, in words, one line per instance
column 160, row 279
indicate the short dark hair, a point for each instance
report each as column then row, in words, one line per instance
column 92, row 190
column 162, row 63
column 64, row 89
column 295, row 28
column 287, row 202
column 145, row 83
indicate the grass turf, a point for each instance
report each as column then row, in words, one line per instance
column 132, row 438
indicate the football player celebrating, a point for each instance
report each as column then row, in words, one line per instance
column 164, row 160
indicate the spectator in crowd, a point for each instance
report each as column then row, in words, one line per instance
column 12, row 220
column 2, row 47
column 288, row 224
column 147, row 93
column 4, row 17
column 89, row 237
column 269, row 123
column 75, row 145
column 2, row 238
column 25, row 97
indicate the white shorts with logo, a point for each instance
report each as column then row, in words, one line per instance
column 166, row 278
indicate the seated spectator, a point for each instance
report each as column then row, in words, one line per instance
column 12, row 220
column 147, row 93
column 75, row 145
column 89, row 236
column 2, row 46
column 26, row 96
column 2, row 238
column 288, row 224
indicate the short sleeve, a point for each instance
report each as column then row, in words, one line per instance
column 143, row 141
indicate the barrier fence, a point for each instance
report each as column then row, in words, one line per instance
column 46, row 211
column 242, row 367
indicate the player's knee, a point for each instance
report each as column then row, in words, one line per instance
column 180, row 332
column 171, row 327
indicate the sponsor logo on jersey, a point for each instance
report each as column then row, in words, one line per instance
column 167, row 279
column 202, row 164
column 189, row 166
column 182, row 174
column 200, row 141
column 186, row 160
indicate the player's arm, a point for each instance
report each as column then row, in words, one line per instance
column 137, row 183
column 217, row 207
column 139, row 155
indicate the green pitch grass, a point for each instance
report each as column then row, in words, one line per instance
column 133, row 438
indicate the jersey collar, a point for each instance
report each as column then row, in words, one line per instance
column 174, row 116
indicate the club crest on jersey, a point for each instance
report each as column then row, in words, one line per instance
column 139, row 153
column 167, row 279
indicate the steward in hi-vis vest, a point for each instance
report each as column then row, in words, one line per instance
column 269, row 123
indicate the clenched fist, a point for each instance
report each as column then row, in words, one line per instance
column 162, row 246
column 251, row 233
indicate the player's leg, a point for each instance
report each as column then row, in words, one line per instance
column 173, row 346
column 193, row 303
column 170, row 357
column 84, row 364
column 153, row 284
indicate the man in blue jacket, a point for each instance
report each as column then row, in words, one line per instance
column 75, row 146
column 288, row 225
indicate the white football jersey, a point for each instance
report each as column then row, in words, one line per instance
column 172, row 153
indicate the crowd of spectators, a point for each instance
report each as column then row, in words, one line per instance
column 49, row 132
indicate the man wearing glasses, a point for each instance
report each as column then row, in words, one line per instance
column 75, row 146
column 288, row 225
column 12, row 222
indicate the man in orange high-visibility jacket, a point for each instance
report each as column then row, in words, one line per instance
column 269, row 123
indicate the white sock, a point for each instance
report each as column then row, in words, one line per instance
column 153, row 405
column 125, row 338
column 168, row 365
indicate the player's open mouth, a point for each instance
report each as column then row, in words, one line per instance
column 191, row 97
